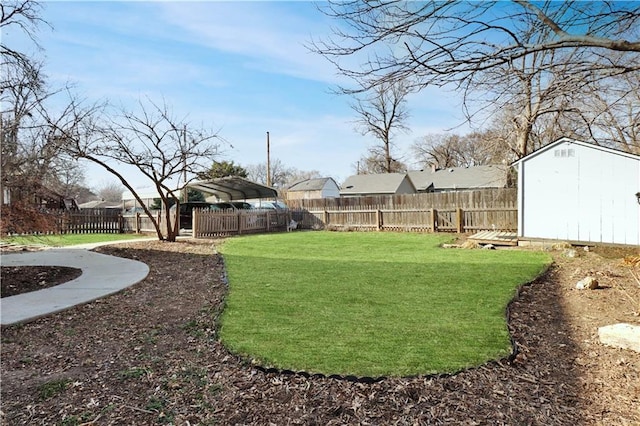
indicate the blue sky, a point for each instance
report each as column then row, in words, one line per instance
column 240, row 67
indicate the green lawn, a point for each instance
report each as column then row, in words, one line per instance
column 70, row 239
column 369, row 304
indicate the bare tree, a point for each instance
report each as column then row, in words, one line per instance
column 381, row 113
column 436, row 42
column 376, row 162
column 166, row 151
column 530, row 60
column 280, row 173
column 31, row 155
column 110, row 191
column 452, row 150
column 23, row 15
column 613, row 117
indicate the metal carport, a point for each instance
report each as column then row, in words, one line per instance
column 233, row 188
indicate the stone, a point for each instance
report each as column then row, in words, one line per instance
column 587, row 283
column 560, row 246
column 621, row 335
column 470, row 245
column 570, row 253
column 450, row 246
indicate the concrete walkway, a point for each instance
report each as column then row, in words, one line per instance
column 101, row 275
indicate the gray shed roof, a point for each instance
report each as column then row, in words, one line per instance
column 234, row 188
column 457, row 178
column 315, row 184
column 383, row 183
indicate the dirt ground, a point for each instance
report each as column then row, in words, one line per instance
column 150, row 355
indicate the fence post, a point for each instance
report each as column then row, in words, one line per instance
column 460, row 220
column 239, row 222
column 434, row 220
column 194, row 223
column 378, row 219
column 325, row 217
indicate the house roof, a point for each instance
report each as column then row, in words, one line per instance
column 234, row 188
column 315, row 184
column 452, row 178
column 576, row 142
column 383, row 183
column 97, row 204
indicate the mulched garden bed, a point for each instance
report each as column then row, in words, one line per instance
column 23, row 279
column 150, row 355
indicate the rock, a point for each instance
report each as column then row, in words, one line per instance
column 560, row 246
column 570, row 253
column 470, row 245
column 586, row 248
column 589, row 283
column 450, row 246
column 489, row 247
column 621, row 335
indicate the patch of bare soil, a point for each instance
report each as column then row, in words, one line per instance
column 23, row 279
column 151, row 355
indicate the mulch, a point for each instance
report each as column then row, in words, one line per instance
column 151, row 355
column 23, row 279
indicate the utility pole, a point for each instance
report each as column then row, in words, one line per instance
column 185, row 195
column 268, row 162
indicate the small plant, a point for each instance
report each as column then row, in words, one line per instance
column 159, row 405
column 70, row 421
column 50, row 389
column 134, row 373
column 155, row 404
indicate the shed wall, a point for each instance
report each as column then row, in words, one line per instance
column 578, row 193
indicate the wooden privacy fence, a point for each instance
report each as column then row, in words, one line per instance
column 412, row 220
column 476, row 199
column 222, row 223
column 140, row 222
column 88, row 221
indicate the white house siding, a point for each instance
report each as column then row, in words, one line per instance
column 578, row 192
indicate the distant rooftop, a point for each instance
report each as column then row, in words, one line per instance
column 456, row 178
column 315, row 184
column 383, row 183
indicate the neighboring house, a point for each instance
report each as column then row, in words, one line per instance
column 314, row 188
column 39, row 196
column 460, row 178
column 101, row 204
column 131, row 205
column 579, row 192
column 377, row 184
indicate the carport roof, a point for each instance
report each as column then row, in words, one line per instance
column 232, row 188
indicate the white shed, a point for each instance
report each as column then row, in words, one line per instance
column 580, row 192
